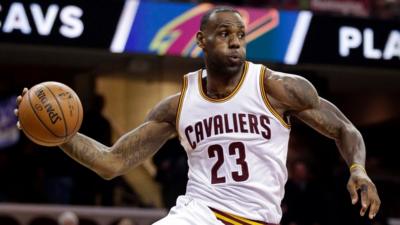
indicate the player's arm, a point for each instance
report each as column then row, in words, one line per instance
column 132, row 148
column 299, row 98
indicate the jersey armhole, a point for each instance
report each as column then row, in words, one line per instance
column 181, row 98
column 267, row 102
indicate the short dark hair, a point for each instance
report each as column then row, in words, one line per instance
column 218, row 9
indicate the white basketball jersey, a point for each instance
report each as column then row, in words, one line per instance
column 236, row 146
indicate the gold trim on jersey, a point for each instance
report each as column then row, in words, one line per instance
column 181, row 97
column 267, row 102
column 228, row 218
column 246, row 66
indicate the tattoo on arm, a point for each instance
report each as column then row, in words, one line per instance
column 299, row 98
column 141, row 143
column 85, row 150
column 131, row 149
column 329, row 121
column 293, row 91
column 301, row 92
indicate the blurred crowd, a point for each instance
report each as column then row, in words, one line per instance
column 64, row 218
column 380, row 9
column 315, row 192
column 36, row 174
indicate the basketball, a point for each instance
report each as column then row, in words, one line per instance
column 50, row 113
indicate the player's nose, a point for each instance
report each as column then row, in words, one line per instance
column 234, row 41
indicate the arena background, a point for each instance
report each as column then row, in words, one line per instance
column 134, row 53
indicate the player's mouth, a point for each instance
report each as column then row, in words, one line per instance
column 234, row 58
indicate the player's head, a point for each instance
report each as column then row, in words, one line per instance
column 68, row 218
column 222, row 39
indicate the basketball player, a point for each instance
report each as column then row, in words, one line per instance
column 231, row 118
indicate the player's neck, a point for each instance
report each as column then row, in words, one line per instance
column 219, row 84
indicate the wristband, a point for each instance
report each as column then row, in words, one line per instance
column 355, row 165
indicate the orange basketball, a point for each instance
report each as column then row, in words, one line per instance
column 50, row 113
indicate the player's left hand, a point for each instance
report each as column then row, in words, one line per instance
column 359, row 180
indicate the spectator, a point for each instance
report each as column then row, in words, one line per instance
column 91, row 189
column 8, row 220
column 301, row 203
column 386, row 9
column 55, row 173
column 359, row 8
column 171, row 163
column 68, row 218
column 126, row 221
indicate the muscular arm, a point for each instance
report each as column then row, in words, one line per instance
column 328, row 120
column 132, row 148
column 297, row 96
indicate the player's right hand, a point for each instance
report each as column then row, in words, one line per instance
column 19, row 99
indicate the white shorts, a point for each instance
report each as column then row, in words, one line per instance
column 188, row 211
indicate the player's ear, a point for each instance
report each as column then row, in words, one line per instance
column 200, row 39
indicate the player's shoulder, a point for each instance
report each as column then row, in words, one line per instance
column 283, row 77
column 276, row 81
column 165, row 110
column 293, row 90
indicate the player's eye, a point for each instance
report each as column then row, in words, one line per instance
column 241, row 35
column 223, row 34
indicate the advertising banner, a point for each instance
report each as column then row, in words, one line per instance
column 165, row 28
column 9, row 133
column 350, row 41
column 170, row 29
column 71, row 23
column 289, row 37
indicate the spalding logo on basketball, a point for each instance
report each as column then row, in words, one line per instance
column 50, row 113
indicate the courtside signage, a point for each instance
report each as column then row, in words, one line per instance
column 173, row 27
column 66, row 23
column 350, row 41
column 164, row 28
column 43, row 20
column 289, row 37
column 351, row 38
